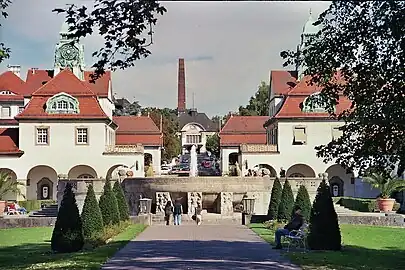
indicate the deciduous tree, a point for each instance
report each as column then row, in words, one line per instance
column 212, row 144
column 364, row 41
column 259, row 103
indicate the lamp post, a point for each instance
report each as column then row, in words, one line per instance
column 248, row 208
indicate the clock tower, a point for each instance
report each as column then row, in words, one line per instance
column 69, row 53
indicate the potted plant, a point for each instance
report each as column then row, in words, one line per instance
column 387, row 185
column 7, row 185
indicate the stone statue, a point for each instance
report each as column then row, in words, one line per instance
column 226, row 203
column 193, row 199
column 161, row 200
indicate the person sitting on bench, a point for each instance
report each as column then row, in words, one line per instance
column 295, row 224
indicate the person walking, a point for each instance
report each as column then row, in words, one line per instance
column 198, row 216
column 178, row 211
column 168, row 212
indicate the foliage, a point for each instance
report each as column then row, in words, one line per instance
column 363, row 205
column 170, row 128
column 275, row 199
column 385, row 183
column 122, row 202
column 212, row 144
column 102, row 237
column 109, row 206
column 286, row 205
column 273, row 225
column 122, row 23
column 91, row 214
column 8, row 185
column 4, row 51
column 364, row 40
column 259, row 103
column 124, row 107
column 304, row 202
column 324, row 231
column 67, row 235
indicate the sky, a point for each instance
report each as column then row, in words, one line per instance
column 228, row 47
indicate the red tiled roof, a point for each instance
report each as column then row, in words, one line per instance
column 64, row 81
column 136, row 124
column 238, row 139
column 37, row 78
column 9, row 141
column 245, row 124
column 11, row 82
column 137, row 129
column 292, row 108
column 282, row 81
column 144, row 139
column 11, row 97
column 8, row 122
column 88, row 106
column 101, row 85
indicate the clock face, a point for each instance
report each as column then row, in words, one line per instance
column 68, row 52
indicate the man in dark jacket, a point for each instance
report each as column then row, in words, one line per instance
column 295, row 224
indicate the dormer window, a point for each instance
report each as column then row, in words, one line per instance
column 62, row 103
column 6, row 92
column 315, row 103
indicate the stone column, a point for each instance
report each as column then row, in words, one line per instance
column 193, row 198
column 226, row 203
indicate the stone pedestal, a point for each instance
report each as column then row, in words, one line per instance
column 193, row 198
column 226, row 203
column 161, row 199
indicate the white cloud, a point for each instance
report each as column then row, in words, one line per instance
column 236, row 45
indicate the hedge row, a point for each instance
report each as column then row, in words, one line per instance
column 363, row 205
column 32, row 205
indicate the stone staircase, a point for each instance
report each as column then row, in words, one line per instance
column 47, row 211
column 343, row 211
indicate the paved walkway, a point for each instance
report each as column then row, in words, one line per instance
column 208, row 247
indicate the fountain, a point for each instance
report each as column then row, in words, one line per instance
column 193, row 162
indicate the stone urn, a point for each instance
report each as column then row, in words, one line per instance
column 385, row 205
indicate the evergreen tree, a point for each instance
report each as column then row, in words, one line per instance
column 287, row 202
column 304, row 202
column 91, row 214
column 67, row 235
column 109, row 206
column 324, row 231
column 274, row 199
column 122, row 202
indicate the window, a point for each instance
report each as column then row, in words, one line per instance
column 43, row 136
column 5, row 112
column 82, row 136
column 272, row 135
column 62, row 105
column 336, row 133
column 6, row 92
column 300, row 136
column 193, row 139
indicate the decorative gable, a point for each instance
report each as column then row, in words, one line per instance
column 62, row 103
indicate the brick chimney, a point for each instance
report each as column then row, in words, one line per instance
column 16, row 69
column 181, row 88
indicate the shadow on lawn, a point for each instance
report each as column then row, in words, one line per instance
column 180, row 254
column 26, row 255
column 352, row 258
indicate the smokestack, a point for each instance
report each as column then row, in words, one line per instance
column 181, row 88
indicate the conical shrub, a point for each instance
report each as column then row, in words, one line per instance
column 275, row 199
column 287, row 203
column 67, row 234
column 324, row 231
column 122, row 202
column 304, row 202
column 109, row 206
column 91, row 215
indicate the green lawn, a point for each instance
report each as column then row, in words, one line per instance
column 29, row 248
column 365, row 247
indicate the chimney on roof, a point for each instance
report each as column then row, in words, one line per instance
column 138, row 113
column 34, row 70
column 181, row 87
column 16, row 69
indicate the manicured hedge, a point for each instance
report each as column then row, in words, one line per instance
column 363, row 205
column 32, row 205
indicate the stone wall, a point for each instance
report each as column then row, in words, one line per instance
column 27, row 222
